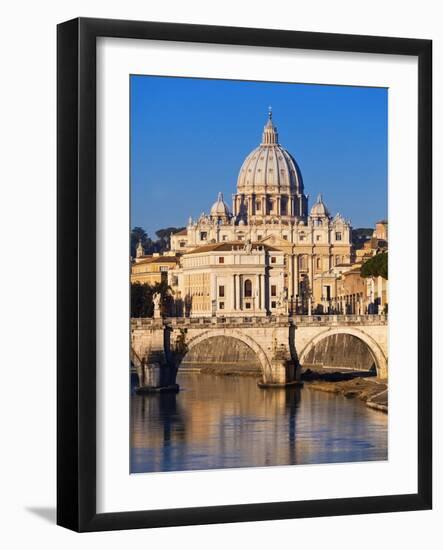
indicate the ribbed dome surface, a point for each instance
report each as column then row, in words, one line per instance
column 269, row 167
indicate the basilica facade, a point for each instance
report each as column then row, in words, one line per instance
column 269, row 252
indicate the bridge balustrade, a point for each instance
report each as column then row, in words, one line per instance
column 323, row 320
column 340, row 319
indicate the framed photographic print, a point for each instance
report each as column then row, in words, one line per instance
column 244, row 274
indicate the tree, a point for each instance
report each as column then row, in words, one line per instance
column 141, row 300
column 142, row 304
column 165, row 292
column 377, row 266
column 164, row 235
column 361, row 235
column 138, row 234
column 150, row 246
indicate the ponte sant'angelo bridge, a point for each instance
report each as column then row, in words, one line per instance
column 281, row 346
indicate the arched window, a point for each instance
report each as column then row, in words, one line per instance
column 248, row 289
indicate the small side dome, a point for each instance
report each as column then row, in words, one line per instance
column 319, row 209
column 219, row 209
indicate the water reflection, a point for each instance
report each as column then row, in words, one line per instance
column 227, row 422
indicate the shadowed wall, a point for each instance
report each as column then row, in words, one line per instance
column 340, row 351
column 222, row 352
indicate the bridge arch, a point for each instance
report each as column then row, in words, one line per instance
column 379, row 357
column 239, row 335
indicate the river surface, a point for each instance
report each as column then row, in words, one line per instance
column 228, row 422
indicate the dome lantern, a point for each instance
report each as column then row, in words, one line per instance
column 270, row 135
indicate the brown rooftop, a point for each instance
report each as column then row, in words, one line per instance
column 158, row 259
column 229, row 247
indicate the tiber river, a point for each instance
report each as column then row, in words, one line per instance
column 228, row 422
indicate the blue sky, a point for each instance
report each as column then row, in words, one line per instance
column 189, row 138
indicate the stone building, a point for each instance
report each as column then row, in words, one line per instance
column 152, row 269
column 342, row 289
column 381, row 231
column 231, row 279
column 269, row 208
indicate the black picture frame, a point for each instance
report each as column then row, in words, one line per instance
column 76, row 293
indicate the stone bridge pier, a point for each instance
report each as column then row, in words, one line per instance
column 151, row 357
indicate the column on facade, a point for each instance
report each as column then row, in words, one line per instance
column 311, row 273
column 233, row 297
column 213, row 291
column 296, row 275
column 380, row 294
column 260, row 284
column 372, row 290
column 282, row 279
column 290, row 264
column 240, row 292
column 256, row 291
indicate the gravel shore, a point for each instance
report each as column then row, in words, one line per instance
column 372, row 391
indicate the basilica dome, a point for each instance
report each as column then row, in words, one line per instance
column 270, row 167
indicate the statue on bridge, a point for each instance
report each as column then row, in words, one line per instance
column 156, row 300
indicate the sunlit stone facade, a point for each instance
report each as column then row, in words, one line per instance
column 269, row 218
column 232, row 279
